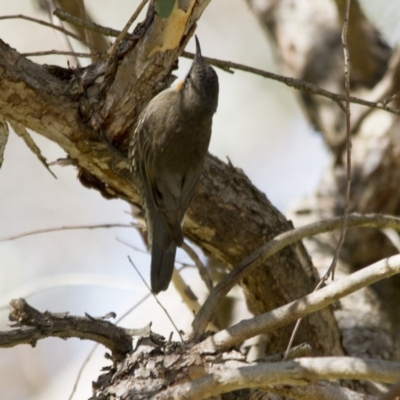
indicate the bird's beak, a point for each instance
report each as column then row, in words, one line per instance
column 198, row 49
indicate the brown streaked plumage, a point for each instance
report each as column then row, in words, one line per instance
column 167, row 154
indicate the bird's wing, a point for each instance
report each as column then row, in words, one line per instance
column 189, row 187
column 172, row 196
column 162, row 189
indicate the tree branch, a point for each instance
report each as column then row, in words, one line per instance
column 276, row 244
column 24, row 135
column 48, row 24
column 113, row 49
column 92, row 26
column 62, row 53
column 64, row 228
column 302, row 371
column 343, row 230
column 34, row 325
column 277, row 318
column 298, row 84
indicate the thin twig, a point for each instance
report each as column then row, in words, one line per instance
column 89, row 356
column 226, row 66
column 301, row 350
column 298, row 84
column 292, row 337
column 48, row 24
column 382, row 91
column 185, row 292
column 260, row 255
column 64, row 228
column 131, row 246
column 393, row 236
column 203, row 271
column 91, row 26
column 188, row 297
column 391, row 98
column 331, row 269
column 64, row 39
column 21, row 131
column 113, row 49
column 275, row 319
column 144, row 251
column 158, row 302
column 87, row 34
column 80, row 372
column 298, row 322
column 59, row 53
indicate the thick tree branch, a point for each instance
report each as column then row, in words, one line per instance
column 34, row 97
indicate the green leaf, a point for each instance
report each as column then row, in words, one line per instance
column 164, row 7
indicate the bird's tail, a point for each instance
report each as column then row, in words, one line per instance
column 163, row 252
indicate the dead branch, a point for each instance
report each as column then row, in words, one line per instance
column 32, row 325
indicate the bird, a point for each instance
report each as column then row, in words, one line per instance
column 167, row 152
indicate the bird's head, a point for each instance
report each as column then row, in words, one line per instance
column 201, row 83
